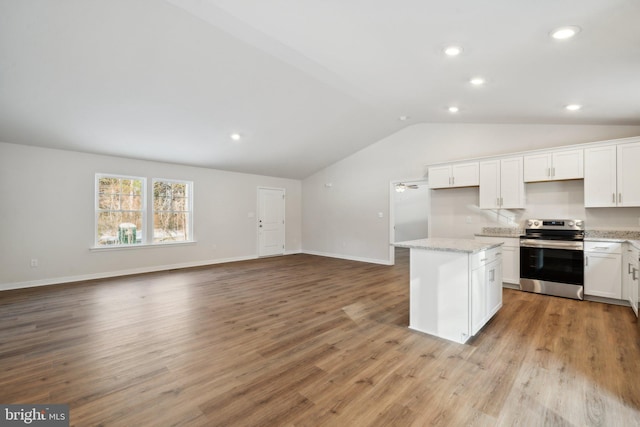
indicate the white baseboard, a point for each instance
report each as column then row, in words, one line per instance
column 108, row 274
column 350, row 258
column 153, row 269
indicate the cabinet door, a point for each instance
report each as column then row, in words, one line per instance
column 635, row 283
column 629, row 174
column 600, row 177
column 627, row 271
column 489, row 184
column 512, row 183
column 440, row 177
column 602, row 275
column 465, row 174
column 567, row 164
column 478, row 298
column 537, row 167
column 511, row 264
column 494, row 288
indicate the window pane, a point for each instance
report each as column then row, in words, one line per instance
column 119, row 228
column 170, row 227
column 130, row 202
column 109, row 201
column 120, row 215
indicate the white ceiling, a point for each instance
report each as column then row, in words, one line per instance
column 304, row 82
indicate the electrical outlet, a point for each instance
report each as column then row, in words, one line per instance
column 34, row 262
column 469, row 220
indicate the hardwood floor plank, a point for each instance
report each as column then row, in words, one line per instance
column 303, row 340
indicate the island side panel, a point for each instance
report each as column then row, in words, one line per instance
column 439, row 293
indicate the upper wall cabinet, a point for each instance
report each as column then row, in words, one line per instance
column 554, row 165
column 611, row 176
column 457, row 175
column 502, row 184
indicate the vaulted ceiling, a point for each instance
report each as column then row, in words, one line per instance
column 303, row 83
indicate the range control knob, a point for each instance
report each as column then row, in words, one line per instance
column 536, row 223
column 578, row 223
column 529, row 223
column 571, row 224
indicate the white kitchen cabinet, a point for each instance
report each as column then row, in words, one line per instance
column 455, row 175
column 630, row 270
column 600, row 181
column 628, row 174
column 453, row 294
column 554, row 166
column 510, row 257
column 611, row 176
column 502, row 184
column 486, row 293
column 602, row 269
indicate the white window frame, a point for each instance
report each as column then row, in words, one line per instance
column 143, row 210
column 189, row 237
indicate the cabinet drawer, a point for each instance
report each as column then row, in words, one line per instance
column 484, row 257
column 603, row 247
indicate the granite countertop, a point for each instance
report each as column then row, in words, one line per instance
column 501, row 232
column 469, row 246
column 614, row 236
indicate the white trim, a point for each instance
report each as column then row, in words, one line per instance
column 106, row 275
column 141, row 246
column 97, row 210
column 152, row 214
column 349, row 258
column 392, row 212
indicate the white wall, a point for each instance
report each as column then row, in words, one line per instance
column 47, row 212
column 342, row 220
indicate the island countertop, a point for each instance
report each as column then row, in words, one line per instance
column 470, row 246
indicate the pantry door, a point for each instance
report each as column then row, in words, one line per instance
column 271, row 226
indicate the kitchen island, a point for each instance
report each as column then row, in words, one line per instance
column 455, row 286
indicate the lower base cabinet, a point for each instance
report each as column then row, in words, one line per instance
column 602, row 269
column 510, row 257
column 452, row 295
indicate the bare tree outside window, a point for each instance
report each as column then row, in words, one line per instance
column 119, row 210
column 171, row 211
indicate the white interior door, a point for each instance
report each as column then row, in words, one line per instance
column 271, row 226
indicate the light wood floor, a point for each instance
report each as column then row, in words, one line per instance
column 308, row 341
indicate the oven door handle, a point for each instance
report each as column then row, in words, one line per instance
column 551, row 244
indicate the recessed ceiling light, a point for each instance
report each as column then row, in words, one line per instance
column 573, row 107
column 564, row 33
column 452, row 50
column 477, row 81
column 453, row 109
column 403, row 118
column 235, row 136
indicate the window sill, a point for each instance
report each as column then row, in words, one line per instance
column 140, row 246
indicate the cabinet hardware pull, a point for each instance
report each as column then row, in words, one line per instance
column 493, row 275
column 453, row 179
column 554, row 170
column 633, row 274
column 548, row 171
column 586, row 261
column 629, row 268
column 619, row 197
column 613, row 197
column 483, row 259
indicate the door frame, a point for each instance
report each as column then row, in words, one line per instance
column 392, row 212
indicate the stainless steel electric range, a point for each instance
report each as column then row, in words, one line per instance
column 552, row 257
